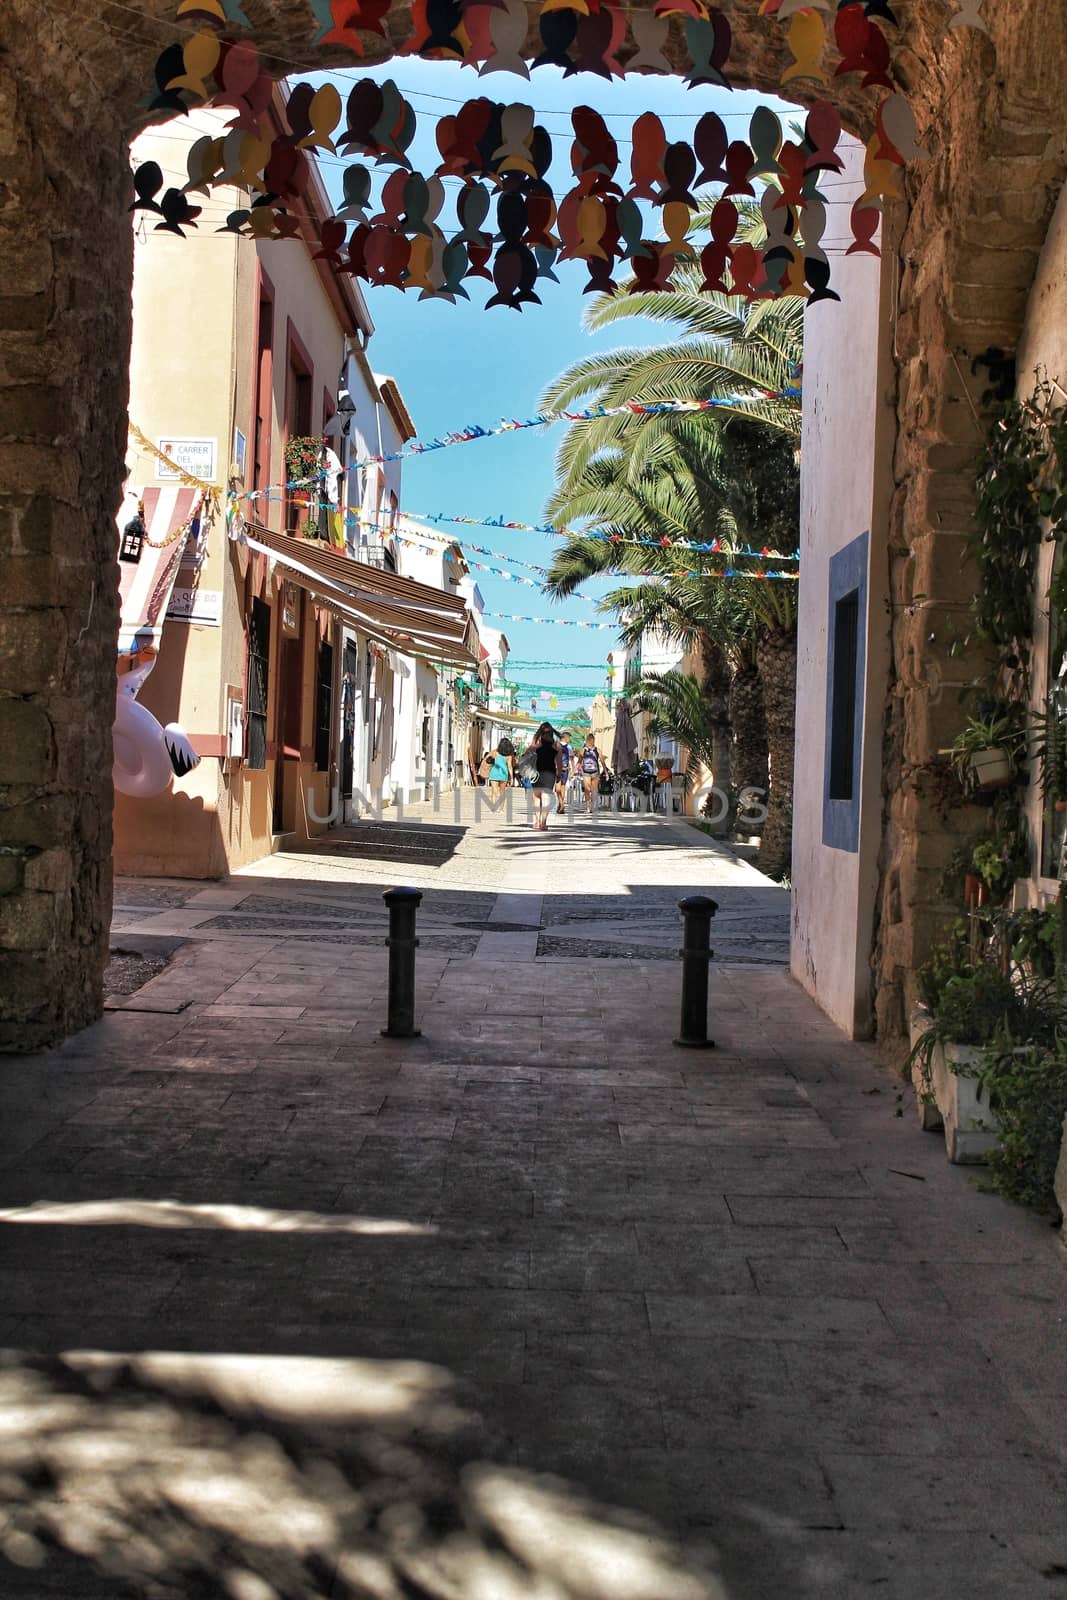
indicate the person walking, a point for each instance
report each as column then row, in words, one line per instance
column 502, row 771
column 563, row 769
column 590, row 765
column 545, row 762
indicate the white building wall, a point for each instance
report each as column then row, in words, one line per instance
column 848, row 425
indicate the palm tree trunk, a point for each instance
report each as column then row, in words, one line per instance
column 777, row 657
column 749, row 721
column 716, row 687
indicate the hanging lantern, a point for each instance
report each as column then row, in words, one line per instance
column 133, row 538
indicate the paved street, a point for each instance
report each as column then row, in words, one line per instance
column 536, row 1305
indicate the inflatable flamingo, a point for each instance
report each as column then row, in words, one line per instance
column 146, row 755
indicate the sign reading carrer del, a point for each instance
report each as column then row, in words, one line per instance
column 195, row 456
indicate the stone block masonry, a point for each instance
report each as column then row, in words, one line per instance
column 990, row 106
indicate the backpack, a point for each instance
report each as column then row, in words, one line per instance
column 590, row 762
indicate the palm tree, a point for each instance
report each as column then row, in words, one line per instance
column 756, row 616
column 699, row 484
column 748, row 718
column 677, row 707
column 773, row 608
column 730, row 474
column 720, row 348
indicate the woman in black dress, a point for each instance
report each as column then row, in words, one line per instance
column 545, row 759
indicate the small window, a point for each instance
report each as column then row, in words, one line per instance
column 258, row 666
column 264, row 378
column 324, row 708
column 843, row 704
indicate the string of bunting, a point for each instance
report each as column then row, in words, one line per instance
column 717, row 546
column 713, row 546
column 529, row 691
column 658, row 408
column 439, row 544
column 520, row 664
column 696, row 572
column 498, row 151
column 555, row 622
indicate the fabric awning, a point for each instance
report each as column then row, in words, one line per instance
column 404, row 615
column 145, row 587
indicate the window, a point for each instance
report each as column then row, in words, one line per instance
column 846, row 675
column 264, row 378
column 258, row 667
column 324, row 707
column 298, row 416
column 291, row 690
column 843, row 706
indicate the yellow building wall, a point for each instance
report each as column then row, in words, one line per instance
column 192, row 375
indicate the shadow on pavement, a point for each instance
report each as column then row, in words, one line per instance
column 258, row 1477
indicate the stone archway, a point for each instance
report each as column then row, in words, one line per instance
column 70, row 97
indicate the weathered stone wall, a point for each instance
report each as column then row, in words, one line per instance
column 991, row 109
column 979, row 214
column 64, row 334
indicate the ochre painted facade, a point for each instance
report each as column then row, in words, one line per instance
column 200, row 316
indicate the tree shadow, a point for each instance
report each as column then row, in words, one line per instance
column 295, row 1478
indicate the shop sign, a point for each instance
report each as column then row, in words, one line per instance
column 194, row 456
column 196, row 605
column 290, row 610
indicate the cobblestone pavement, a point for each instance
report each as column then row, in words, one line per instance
column 533, row 1305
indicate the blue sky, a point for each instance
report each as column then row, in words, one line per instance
column 459, row 363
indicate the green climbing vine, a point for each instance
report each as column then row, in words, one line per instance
column 1021, row 500
column 1012, row 962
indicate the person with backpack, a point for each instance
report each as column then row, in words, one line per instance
column 563, row 769
column 590, row 765
column 543, row 761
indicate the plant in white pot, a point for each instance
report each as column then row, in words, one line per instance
column 974, row 1007
column 987, row 752
column 971, row 1008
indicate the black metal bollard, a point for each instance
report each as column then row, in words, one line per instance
column 697, row 912
column 403, row 905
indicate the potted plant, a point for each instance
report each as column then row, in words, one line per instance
column 303, row 457
column 1025, row 1084
column 987, row 751
column 946, row 1059
column 949, row 959
column 1032, row 938
column 1052, row 754
column 982, row 1013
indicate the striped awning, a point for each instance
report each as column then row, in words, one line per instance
column 145, row 586
column 397, row 612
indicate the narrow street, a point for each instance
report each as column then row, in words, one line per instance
column 536, row 1304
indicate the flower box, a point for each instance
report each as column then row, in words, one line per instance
column 954, row 1102
column 929, row 1115
column 992, row 768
